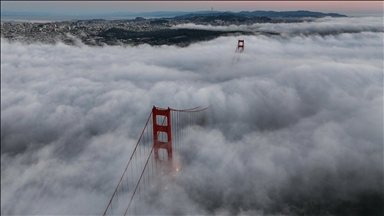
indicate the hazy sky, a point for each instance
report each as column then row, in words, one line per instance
column 88, row 7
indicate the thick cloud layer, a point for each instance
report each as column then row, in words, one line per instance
column 295, row 124
column 308, row 26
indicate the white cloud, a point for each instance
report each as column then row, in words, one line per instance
column 326, row 25
column 296, row 123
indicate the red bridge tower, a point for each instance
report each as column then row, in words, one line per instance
column 240, row 45
column 162, row 133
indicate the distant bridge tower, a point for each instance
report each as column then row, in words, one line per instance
column 162, row 135
column 240, row 45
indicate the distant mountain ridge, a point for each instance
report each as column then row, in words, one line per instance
column 260, row 13
column 300, row 13
column 181, row 14
column 269, row 14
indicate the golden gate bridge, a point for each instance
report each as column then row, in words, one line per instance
column 155, row 160
column 156, row 157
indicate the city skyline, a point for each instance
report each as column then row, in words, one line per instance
column 352, row 8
